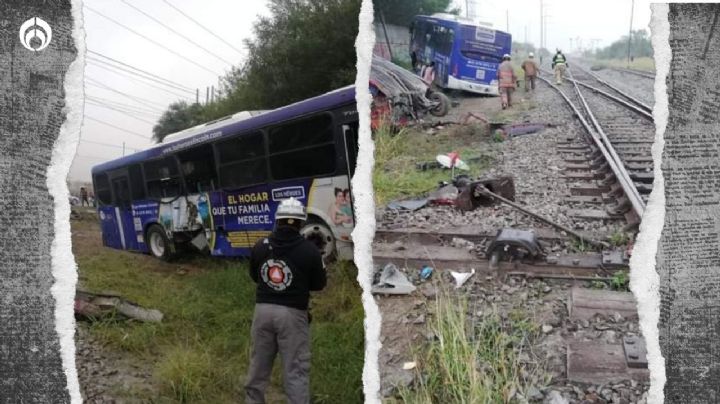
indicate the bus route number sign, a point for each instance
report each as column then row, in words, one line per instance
column 484, row 34
column 480, row 74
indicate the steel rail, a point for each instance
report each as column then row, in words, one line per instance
column 629, row 97
column 631, row 191
column 614, row 162
column 641, row 109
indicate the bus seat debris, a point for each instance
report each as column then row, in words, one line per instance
column 471, row 196
column 90, row 305
column 393, row 282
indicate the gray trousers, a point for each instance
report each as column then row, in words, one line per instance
column 285, row 330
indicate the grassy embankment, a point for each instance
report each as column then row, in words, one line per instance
column 645, row 64
column 396, row 175
column 199, row 353
column 475, row 357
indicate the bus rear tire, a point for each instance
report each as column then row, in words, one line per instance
column 443, row 103
column 158, row 243
column 318, row 233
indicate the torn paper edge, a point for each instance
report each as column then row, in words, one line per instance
column 644, row 279
column 364, row 203
column 63, row 265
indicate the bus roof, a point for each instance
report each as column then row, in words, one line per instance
column 455, row 19
column 234, row 124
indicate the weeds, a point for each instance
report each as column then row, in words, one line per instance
column 200, row 352
column 620, row 281
column 473, row 361
column 619, row 239
column 395, row 174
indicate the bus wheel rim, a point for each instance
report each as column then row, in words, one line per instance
column 321, row 237
column 157, row 245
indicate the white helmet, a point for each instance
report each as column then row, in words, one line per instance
column 506, row 56
column 531, row 54
column 291, row 208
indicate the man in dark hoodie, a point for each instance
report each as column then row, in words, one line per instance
column 286, row 267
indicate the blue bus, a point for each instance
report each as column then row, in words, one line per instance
column 466, row 55
column 215, row 187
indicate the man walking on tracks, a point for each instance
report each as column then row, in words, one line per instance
column 559, row 63
column 506, row 81
column 286, row 267
column 531, row 69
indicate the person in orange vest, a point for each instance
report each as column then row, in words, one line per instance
column 506, row 81
column 531, row 69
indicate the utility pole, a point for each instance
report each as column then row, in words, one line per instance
column 197, row 96
column 542, row 16
column 123, row 149
column 507, row 19
column 467, row 8
column 632, row 9
column 387, row 38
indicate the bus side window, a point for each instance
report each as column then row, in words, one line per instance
column 102, row 189
column 137, row 183
column 198, row 168
column 163, row 179
column 242, row 160
column 304, row 148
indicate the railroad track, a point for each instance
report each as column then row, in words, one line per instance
column 634, row 72
column 614, row 159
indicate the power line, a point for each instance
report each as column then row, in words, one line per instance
column 129, row 73
column 145, row 83
column 152, row 41
column 141, row 70
column 131, row 108
column 116, row 127
column 177, row 33
column 203, row 27
column 130, row 114
column 109, row 145
column 141, row 100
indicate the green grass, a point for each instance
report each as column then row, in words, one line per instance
column 474, row 361
column 645, row 63
column 396, row 154
column 199, row 353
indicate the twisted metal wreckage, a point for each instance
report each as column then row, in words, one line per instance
column 400, row 96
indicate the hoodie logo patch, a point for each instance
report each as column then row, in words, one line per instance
column 276, row 274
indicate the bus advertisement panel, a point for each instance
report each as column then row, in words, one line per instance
column 231, row 221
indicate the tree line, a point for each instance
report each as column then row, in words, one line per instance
column 640, row 46
column 302, row 49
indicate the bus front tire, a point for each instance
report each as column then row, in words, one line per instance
column 158, row 243
column 443, row 103
column 317, row 232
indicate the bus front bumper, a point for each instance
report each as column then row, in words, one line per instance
column 479, row 88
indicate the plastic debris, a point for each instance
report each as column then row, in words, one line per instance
column 426, row 272
column 393, row 282
column 409, row 365
column 461, row 277
column 408, row 204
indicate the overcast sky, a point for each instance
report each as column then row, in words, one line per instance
column 605, row 20
column 141, row 103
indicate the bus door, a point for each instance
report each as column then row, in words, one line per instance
column 120, row 183
column 350, row 135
